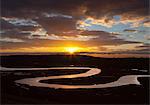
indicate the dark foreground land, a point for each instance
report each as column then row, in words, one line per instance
column 112, row 69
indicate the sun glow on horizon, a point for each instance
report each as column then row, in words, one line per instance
column 72, row 50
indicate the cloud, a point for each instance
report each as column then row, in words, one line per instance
column 83, row 38
column 134, row 21
column 38, row 31
column 130, row 30
column 146, row 23
column 130, row 11
column 115, row 33
column 21, row 22
column 80, row 8
column 104, row 21
column 13, row 40
column 106, row 38
column 99, row 12
column 71, row 38
column 57, row 25
column 123, row 47
column 51, row 23
column 51, row 15
column 81, row 24
column 135, row 31
column 145, row 45
column 147, row 37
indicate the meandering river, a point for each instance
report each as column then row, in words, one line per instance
column 124, row 80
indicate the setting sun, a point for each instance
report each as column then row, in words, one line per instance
column 72, row 50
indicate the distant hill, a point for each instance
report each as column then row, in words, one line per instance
column 76, row 60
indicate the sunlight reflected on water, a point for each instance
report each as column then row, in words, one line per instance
column 124, row 80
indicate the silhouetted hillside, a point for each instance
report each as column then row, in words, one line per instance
column 76, row 60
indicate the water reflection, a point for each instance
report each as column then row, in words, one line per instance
column 124, row 80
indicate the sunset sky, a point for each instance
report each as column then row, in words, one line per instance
column 107, row 26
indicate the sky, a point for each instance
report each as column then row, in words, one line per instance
column 99, row 26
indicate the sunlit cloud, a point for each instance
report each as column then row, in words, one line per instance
column 13, row 40
column 50, row 15
column 39, row 31
column 79, row 37
column 124, row 47
column 146, row 24
column 21, row 22
column 115, row 33
column 82, row 24
column 104, row 21
column 134, row 21
column 58, row 37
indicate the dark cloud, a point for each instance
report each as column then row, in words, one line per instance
column 135, row 31
column 35, row 8
column 145, row 46
column 6, row 25
column 106, row 38
column 14, row 31
column 130, row 30
column 77, row 8
column 93, row 7
column 99, row 8
column 57, row 24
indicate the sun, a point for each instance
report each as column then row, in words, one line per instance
column 72, row 50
